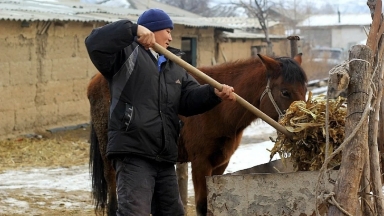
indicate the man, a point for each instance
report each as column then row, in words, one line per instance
column 148, row 92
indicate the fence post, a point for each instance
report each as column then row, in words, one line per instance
column 293, row 41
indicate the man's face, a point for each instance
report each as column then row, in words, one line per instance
column 163, row 37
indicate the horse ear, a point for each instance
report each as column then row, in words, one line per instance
column 298, row 58
column 269, row 62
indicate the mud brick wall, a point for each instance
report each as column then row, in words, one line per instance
column 44, row 71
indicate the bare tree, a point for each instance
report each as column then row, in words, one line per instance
column 292, row 12
column 194, row 6
column 222, row 10
column 259, row 9
column 203, row 8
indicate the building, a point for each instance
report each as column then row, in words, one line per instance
column 335, row 30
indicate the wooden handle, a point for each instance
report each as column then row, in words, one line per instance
column 219, row 86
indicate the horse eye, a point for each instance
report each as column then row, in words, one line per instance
column 285, row 93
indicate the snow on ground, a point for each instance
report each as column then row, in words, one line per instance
column 48, row 181
column 66, row 179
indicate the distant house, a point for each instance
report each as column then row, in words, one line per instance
column 335, row 30
column 248, row 39
column 327, row 39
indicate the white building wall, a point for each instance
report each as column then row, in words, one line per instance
column 345, row 37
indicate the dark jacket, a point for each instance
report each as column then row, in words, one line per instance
column 145, row 102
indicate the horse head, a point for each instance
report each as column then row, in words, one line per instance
column 286, row 83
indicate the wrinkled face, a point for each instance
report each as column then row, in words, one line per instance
column 163, row 37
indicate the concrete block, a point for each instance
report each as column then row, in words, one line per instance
column 264, row 194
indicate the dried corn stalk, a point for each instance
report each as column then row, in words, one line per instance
column 306, row 120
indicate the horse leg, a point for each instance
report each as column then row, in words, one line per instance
column 199, row 171
column 220, row 169
column 213, row 164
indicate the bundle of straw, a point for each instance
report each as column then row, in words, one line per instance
column 306, row 120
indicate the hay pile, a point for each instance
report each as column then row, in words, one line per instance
column 306, row 120
column 42, row 152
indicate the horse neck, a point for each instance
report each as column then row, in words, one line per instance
column 251, row 91
column 248, row 84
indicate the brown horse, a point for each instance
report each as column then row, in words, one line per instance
column 207, row 140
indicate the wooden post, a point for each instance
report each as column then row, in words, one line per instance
column 293, row 41
column 375, row 42
column 366, row 201
column 380, row 137
column 348, row 181
column 182, row 179
column 374, row 155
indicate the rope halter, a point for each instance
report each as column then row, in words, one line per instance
column 268, row 90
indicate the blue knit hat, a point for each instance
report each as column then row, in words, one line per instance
column 155, row 20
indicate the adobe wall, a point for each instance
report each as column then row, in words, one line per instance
column 241, row 48
column 45, row 70
column 205, row 42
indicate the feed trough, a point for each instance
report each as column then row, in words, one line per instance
column 254, row 191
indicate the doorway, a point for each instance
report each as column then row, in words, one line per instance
column 189, row 47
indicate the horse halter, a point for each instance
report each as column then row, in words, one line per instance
column 268, row 90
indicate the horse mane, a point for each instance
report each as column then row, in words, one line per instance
column 235, row 66
column 292, row 72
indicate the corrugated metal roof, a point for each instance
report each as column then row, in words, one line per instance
column 249, row 35
column 172, row 10
column 66, row 10
column 238, row 22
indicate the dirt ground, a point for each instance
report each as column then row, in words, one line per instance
column 52, row 152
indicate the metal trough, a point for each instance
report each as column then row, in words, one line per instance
column 261, row 190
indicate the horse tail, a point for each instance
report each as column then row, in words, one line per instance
column 96, row 166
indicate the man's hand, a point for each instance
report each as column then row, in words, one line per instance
column 226, row 93
column 145, row 37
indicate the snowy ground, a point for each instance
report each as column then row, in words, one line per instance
column 75, row 181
